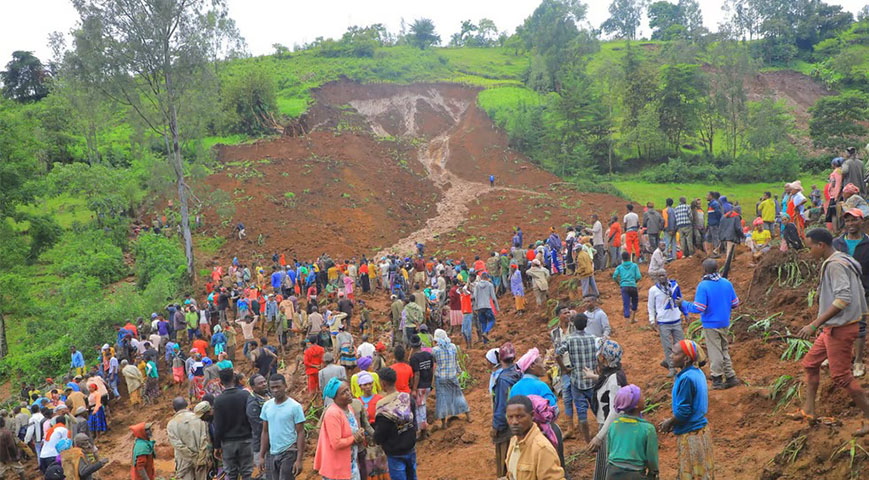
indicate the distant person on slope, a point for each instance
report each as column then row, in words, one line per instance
column 632, row 233
column 627, row 275
column 239, row 229
column 491, row 180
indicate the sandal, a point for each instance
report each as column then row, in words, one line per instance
column 801, row 415
column 829, row 421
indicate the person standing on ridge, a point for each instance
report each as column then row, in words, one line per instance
column 714, row 300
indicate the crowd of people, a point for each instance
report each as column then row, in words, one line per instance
column 226, row 358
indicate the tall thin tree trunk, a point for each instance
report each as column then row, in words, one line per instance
column 178, row 166
column 4, row 347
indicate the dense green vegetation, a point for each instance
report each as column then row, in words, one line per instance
column 89, row 139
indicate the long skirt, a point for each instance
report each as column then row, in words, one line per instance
column 372, row 463
column 97, row 421
column 366, row 283
column 152, row 389
column 600, row 464
column 449, row 399
column 420, row 399
column 694, row 453
column 455, row 317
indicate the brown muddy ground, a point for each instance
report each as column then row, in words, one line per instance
column 433, row 186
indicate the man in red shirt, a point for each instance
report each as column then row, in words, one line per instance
column 200, row 345
column 403, row 371
column 313, row 361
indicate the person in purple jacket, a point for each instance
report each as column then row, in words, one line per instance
column 714, row 300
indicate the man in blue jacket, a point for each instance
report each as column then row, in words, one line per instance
column 714, row 300
column 500, row 433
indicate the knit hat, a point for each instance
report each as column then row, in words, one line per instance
column 507, row 351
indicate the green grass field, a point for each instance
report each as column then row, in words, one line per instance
column 746, row 194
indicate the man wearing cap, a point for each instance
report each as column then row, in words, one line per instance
column 328, row 372
column 75, row 399
column 856, row 244
column 79, row 424
column 188, row 435
column 506, row 378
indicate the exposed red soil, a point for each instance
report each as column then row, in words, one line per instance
column 747, row 435
column 798, row 91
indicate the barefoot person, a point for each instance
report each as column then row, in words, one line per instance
column 841, row 307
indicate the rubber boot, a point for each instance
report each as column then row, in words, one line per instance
column 731, row 382
column 717, row 383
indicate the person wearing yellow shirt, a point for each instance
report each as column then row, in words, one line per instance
column 766, row 210
column 760, row 238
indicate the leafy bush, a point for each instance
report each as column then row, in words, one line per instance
column 677, row 169
column 157, row 256
column 90, row 253
column 249, row 100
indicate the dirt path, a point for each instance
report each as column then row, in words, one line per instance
column 457, row 193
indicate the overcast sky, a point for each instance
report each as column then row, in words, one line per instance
column 26, row 25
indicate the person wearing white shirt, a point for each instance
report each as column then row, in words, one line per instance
column 598, row 322
column 49, row 451
column 365, row 349
column 658, row 262
column 598, row 243
column 665, row 315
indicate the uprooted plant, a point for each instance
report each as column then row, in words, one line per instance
column 785, row 388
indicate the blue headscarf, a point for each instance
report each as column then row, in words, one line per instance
column 331, row 388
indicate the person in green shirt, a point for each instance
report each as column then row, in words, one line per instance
column 192, row 320
column 632, row 443
column 627, row 275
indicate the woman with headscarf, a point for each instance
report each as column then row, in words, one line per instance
column 690, row 404
column 631, row 442
column 544, row 416
column 449, row 399
column 97, row 419
column 340, row 433
column 609, row 378
column 796, row 205
column 517, row 288
column 532, row 368
column 790, row 234
column 364, row 364
column 395, row 427
column 372, row 460
column 364, row 278
column 852, row 199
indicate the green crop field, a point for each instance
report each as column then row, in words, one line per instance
column 746, row 194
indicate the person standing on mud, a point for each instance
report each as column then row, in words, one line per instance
column 688, row 423
column 632, row 233
column 503, row 381
column 714, row 300
column 491, row 180
column 856, row 244
column 841, row 308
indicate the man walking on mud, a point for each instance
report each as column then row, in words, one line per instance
column 714, row 300
column 841, row 307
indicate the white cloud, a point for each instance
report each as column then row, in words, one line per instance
column 26, row 25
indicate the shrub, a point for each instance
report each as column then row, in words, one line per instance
column 156, row 255
column 90, row 253
column 679, row 170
